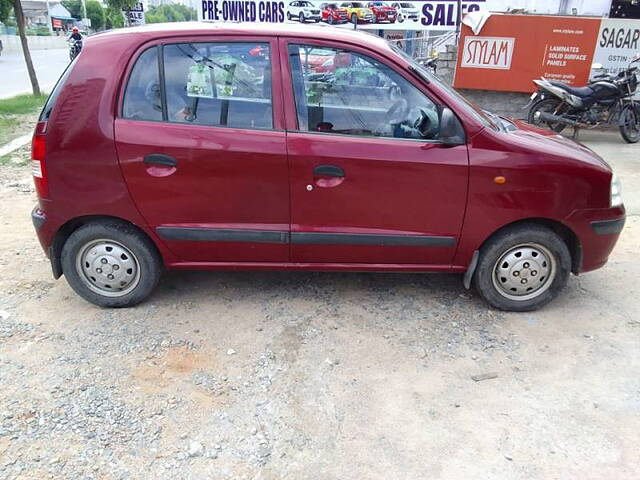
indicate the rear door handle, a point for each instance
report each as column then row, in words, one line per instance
column 160, row 159
column 328, row 171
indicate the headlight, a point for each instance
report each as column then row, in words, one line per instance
column 616, row 192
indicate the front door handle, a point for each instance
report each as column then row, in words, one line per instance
column 160, row 159
column 328, row 171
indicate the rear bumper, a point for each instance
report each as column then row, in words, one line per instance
column 45, row 231
column 598, row 231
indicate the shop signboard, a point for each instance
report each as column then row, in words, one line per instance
column 395, row 14
column 511, row 50
column 618, row 41
column 134, row 16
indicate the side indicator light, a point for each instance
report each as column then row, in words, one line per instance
column 499, row 180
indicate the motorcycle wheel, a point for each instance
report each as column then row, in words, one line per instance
column 546, row 105
column 630, row 124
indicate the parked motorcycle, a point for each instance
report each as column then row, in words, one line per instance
column 75, row 46
column 606, row 99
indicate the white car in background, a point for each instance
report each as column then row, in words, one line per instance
column 406, row 11
column 304, row 11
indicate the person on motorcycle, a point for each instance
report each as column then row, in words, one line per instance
column 75, row 34
column 75, row 42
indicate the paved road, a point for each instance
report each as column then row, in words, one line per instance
column 49, row 66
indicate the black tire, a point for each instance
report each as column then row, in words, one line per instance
column 548, row 105
column 330, row 20
column 504, row 247
column 301, row 17
column 630, row 123
column 354, row 18
column 288, row 16
column 140, row 251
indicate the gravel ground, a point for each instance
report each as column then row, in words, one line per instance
column 316, row 376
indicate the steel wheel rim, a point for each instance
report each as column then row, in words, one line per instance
column 108, row 268
column 524, row 272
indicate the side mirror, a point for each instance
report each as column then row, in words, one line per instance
column 451, row 131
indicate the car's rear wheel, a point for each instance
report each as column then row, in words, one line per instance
column 111, row 264
column 354, row 18
column 522, row 268
column 301, row 17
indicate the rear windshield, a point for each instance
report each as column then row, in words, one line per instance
column 51, row 101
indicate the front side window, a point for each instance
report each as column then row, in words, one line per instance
column 219, row 84
column 343, row 92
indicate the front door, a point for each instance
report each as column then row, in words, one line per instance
column 370, row 181
column 202, row 149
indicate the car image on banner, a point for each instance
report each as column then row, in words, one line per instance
column 303, row 11
column 333, row 14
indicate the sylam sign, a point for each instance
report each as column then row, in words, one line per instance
column 487, row 52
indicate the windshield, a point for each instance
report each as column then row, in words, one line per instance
column 305, row 4
column 358, row 5
column 476, row 111
column 406, row 5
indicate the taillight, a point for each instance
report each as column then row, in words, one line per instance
column 38, row 160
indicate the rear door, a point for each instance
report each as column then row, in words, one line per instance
column 202, row 148
column 370, row 180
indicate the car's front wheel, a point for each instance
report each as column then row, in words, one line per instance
column 111, row 264
column 522, row 268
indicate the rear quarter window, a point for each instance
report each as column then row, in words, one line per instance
column 142, row 98
column 53, row 98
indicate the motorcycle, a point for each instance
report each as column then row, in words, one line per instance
column 75, row 46
column 606, row 99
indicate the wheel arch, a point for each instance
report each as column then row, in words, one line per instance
column 65, row 231
column 569, row 237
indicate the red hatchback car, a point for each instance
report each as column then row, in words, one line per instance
column 217, row 147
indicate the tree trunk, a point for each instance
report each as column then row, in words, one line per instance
column 17, row 7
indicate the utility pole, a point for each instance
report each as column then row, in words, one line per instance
column 17, row 9
column 84, row 13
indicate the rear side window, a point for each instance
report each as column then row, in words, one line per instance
column 215, row 84
column 219, row 84
column 142, row 100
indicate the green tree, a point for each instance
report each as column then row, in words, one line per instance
column 120, row 5
column 5, row 10
column 113, row 18
column 74, row 7
column 95, row 13
column 170, row 13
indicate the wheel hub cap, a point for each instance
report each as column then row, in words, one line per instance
column 108, row 268
column 524, row 272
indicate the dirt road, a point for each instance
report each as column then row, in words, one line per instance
column 317, row 376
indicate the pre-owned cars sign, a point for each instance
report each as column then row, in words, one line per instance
column 419, row 15
column 511, row 50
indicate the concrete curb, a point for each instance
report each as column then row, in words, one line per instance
column 15, row 144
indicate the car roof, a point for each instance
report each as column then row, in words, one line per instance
column 322, row 32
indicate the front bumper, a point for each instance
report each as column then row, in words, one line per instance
column 598, row 231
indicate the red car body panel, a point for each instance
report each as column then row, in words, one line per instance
column 257, row 181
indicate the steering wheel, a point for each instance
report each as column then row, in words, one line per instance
column 397, row 113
